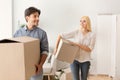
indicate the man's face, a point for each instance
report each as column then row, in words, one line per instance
column 33, row 19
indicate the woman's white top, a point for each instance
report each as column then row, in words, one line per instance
column 87, row 40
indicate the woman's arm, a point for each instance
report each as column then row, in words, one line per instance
column 86, row 48
column 90, row 47
column 57, row 43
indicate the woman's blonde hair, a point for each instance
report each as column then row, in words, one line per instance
column 88, row 22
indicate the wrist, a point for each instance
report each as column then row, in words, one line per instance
column 40, row 64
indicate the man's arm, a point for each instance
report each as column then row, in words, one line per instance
column 40, row 65
column 44, row 48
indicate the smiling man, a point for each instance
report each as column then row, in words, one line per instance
column 31, row 29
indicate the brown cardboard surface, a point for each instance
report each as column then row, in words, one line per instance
column 67, row 75
column 66, row 51
column 17, row 59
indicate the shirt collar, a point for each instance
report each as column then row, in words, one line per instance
column 25, row 28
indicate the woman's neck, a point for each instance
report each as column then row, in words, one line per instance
column 84, row 31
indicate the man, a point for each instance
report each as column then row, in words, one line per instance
column 30, row 29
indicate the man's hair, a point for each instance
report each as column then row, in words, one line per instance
column 31, row 10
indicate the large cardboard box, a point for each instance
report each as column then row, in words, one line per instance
column 66, row 51
column 18, row 57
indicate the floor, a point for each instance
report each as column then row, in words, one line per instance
column 99, row 77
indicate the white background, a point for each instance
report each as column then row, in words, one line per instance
column 5, row 19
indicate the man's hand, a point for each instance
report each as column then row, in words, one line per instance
column 38, row 69
column 39, row 66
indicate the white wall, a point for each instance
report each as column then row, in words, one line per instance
column 59, row 14
column 63, row 15
column 5, row 19
column 118, row 48
column 106, row 44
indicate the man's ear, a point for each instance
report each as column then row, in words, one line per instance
column 26, row 18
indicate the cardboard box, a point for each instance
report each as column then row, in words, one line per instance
column 66, row 51
column 18, row 57
column 66, row 75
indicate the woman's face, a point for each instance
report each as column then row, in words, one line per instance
column 83, row 23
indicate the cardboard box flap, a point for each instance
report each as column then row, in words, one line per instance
column 24, row 39
column 66, row 41
column 8, row 41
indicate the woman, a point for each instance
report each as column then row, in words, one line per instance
column 85, row 39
